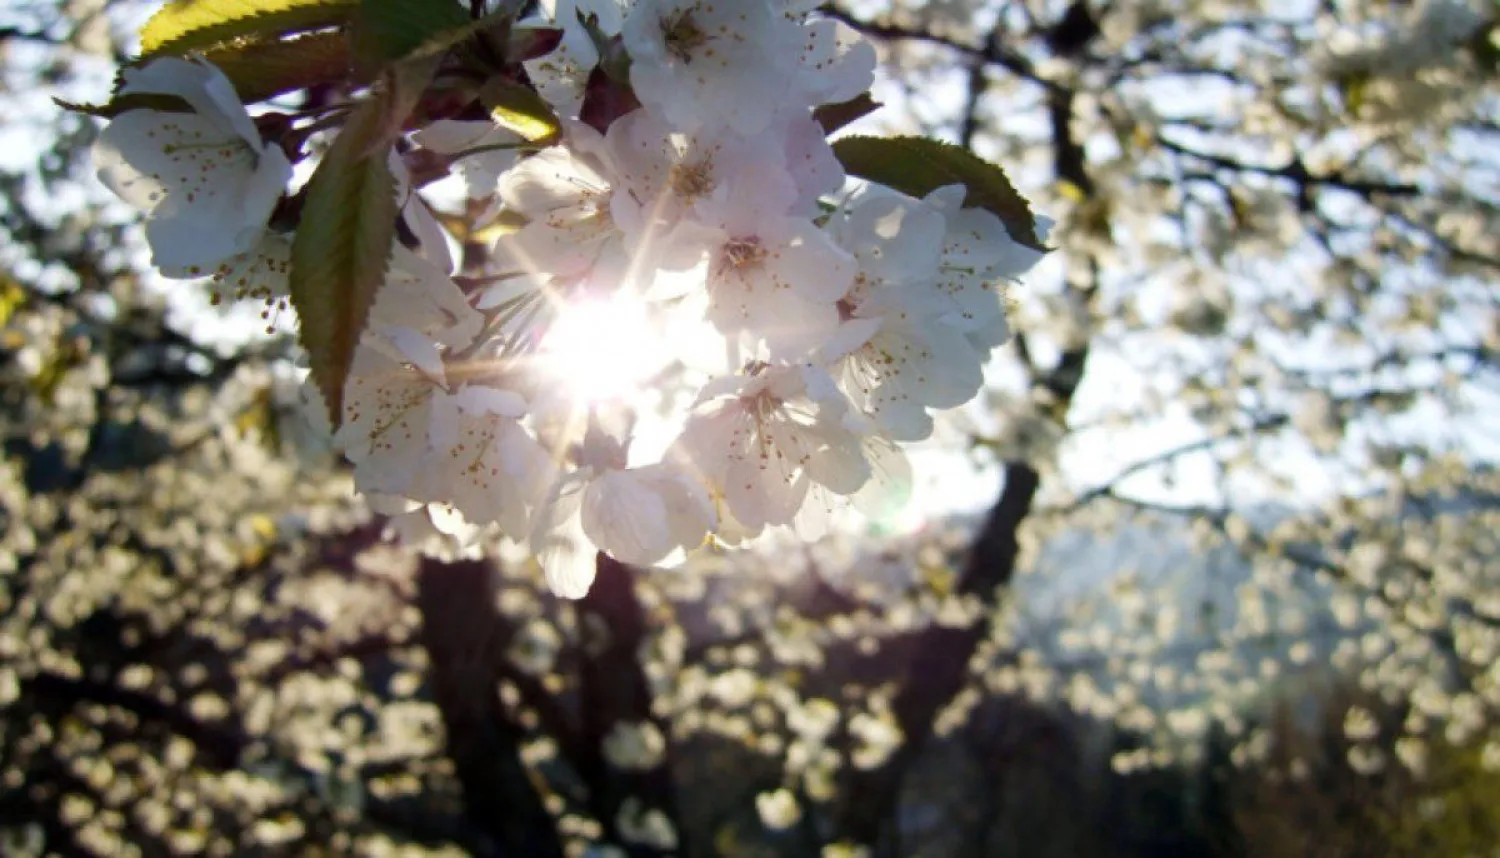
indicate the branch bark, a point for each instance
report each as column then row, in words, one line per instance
column 614, row 691
column 940, row 662
column 462, row 631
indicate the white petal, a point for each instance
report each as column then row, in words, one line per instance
column 762, row 487
column 417, row 348
column 567, row 557
column 626, row 518
column 813, row 266
column 443, row 425
column 690, row 511
column 840, row 465
column 890, row 486
column 549, row 180
column 479, row 399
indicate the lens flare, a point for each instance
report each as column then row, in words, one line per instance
column 604, row 349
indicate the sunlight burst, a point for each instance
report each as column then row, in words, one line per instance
column 604, row 349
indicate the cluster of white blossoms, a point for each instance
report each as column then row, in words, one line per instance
column 698, row 261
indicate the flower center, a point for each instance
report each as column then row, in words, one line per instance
column 682, row 35
column 739, row 254
column 691, row 182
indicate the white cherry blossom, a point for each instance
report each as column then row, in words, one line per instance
column 564, row 191
column 835, row 62
column 665, row 175
column 979, row 258
column 760, row 439
column 642, row 516
column 398, row 367
column 206, row 179
column 902, row 358
column 772, row 276
column 483, row 460
column 259, row 274
column 708, row 62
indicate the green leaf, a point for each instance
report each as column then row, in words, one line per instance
column 343, row 242
column 265, row 69
column 493, row 24
column 519, row 109
column 187, row 25
column 918, row 166
column 390, row 30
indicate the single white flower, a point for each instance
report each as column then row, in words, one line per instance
column 835, row 63
column 483, row 461
column 564, row 191
column 711, row 63
column 206, row 179
column 909, row 362
column 760, row 439
column 641, row 516
column 419, row 316
column 665, row 175
column 900, row 357
column 979, row 257
column 259, row 274
column 880, row 498
column 418, row 296
column 387, row 415
column 773, row 276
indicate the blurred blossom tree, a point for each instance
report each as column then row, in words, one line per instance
column 1244, row 431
